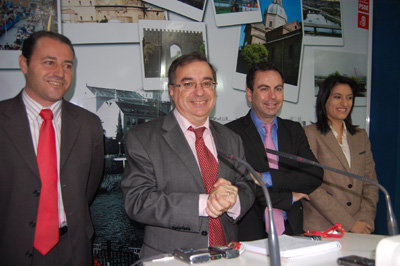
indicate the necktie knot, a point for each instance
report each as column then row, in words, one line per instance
column 268, row 127
column 198, row 131
column 46, row 114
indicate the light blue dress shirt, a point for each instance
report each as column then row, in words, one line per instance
column 261, row 130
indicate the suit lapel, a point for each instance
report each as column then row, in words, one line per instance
column 334, row 146
column 69, row 131
column 16, row 125
column 175, row 138
column 284, row 142
column 254, row 137
column 221, row 145
column 354, row 146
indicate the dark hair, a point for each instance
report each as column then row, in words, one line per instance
column 187, row 59
column 30, row 43
column 324, row 92
column 262, row 66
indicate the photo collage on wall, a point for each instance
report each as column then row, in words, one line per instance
column 278, row 39
column 265, row 30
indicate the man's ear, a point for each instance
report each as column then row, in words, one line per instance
column 171, row 90
column 23, row 64
column 249, row 94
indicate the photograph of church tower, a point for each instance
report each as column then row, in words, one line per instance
column 278, row 39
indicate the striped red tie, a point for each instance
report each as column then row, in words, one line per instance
column 47, row 232
column 209, row 173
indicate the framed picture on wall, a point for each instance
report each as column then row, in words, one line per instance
column 163, row 41
column 351, row 65
column 277, row 39
column 19, row 21
column 236, row 12
column 322, row 22
column 193, row 9
column 86, row 22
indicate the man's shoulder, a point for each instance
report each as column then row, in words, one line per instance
column 219, row 126
column 288, row 123
column 79, row 112
column 7, row 102
column 237, row 123
column 152, row 127
column 223, row 129
column 311, row 129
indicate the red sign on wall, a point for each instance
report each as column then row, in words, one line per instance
column 363, row 6
column 363, row 14
column 363, row 21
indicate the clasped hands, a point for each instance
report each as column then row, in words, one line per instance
column 222, row 197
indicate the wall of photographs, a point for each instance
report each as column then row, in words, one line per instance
column 123, row 54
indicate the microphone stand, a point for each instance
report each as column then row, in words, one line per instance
column 391, row 219
column 273, row 244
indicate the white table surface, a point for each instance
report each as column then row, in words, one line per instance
column 352, row 244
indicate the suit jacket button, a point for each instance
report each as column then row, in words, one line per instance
column 348, row 203
column 204, row 233
column 32, row 224
column 36, row 192
column 28, row 254
column 350, row 186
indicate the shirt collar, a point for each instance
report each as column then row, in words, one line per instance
column 258, row 122
column 344, row 131
column 35, row 108
column 185, row 124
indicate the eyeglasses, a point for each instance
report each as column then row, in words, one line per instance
column 188, row 85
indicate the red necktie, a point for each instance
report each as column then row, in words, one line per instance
column 47, row 232
column 209, row 174
column 273, row 163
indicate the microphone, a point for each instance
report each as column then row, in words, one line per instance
column 273, row 244
column 391, row 219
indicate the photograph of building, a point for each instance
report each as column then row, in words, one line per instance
column 162, row 46
column 104, row 11
column 277, row 39
column 118, row 239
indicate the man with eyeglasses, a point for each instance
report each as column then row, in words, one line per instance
column 174, row 182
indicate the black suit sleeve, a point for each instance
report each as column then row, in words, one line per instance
column 294, row 176
column 280, row 200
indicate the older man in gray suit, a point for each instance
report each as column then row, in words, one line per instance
column 166, row 184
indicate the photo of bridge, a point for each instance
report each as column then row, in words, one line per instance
column 322, row 18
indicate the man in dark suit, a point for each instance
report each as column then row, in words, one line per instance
column 291, row 181
column 76, row 145
column 163, row 183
